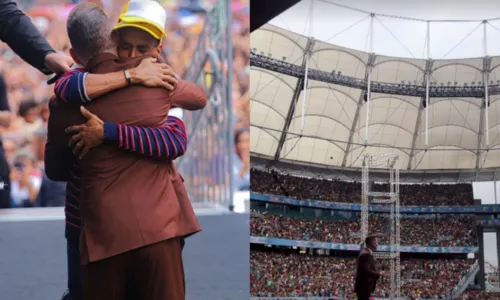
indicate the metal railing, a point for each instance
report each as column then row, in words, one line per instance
column 465, row 281
column 207, row 166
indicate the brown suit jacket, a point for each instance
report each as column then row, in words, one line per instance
column 367, row 273
column 127, row 201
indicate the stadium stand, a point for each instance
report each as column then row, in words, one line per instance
column 276, row 272
column 473, row 295
column 291, row 274
column 276, row 183
column 444, row 231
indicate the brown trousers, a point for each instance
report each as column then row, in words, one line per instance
column 153, row 272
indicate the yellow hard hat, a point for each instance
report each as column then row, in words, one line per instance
column 147, row 15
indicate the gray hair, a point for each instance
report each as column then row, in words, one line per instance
column 88, row 30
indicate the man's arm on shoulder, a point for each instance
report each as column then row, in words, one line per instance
column 188, row 95
column 58, row 156
column 80, row 87
column 17, row 31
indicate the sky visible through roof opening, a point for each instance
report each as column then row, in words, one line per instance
column 332, row 23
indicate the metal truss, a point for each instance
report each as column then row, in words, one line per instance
column 391, row 198
column 442, row 91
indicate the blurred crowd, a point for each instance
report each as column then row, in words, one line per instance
column 275, row 183
column 288, row 275
column 28, row 94
column 474, row 295
column 451, row 231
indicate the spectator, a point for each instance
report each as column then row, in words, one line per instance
column 25, row 180
column 242, row 160
column 30, row 121
column 52, row 193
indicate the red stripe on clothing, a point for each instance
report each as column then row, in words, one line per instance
column 73, row 216
column 72, row 205
column 156, row 141
column 141, row 145
column 165, row 142
column 71, row 224
column 173, row 144
column 132, row 140
column 120, row 142
column 74, row 197
column 125, row 131
column 181, row 133
column 73, row 186
column 149, row 141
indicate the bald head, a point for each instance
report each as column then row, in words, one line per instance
column 88, row 31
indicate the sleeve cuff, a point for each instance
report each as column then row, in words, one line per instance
column 85, row 95
column 110, row 133
column 176, row 112
column 45, row 70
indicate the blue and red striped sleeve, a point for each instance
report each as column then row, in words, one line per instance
column 165, row 142
column 71, row 87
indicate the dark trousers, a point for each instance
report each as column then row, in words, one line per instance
column 363, row 296
column 74, row 277
column 153, row 272
column 5, row 180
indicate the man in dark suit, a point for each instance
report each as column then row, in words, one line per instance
column 134, row 210
column 367, row 272
column 17, row 31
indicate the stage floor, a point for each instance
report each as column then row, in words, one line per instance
column 33, row 256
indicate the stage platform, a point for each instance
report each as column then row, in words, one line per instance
column 33, row 255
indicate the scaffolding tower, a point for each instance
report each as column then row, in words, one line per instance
column 390, row 198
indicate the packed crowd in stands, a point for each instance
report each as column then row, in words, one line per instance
column 288, row 275
column 275, row 183
column 475, row 295
column 28, row 94
column 453, row 231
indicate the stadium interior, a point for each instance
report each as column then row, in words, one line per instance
column 319, row 106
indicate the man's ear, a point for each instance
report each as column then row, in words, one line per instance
column 74, row 56
column 115, row 37
column 158, row 49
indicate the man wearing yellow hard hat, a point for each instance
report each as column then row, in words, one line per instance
column 140, row 28
column 139, row 31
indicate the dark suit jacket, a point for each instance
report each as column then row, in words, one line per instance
column 127, row 201
column 366, row 273
column 17, row 31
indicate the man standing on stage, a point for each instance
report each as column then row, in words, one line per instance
column 78, row 87
column 367, row 272
column 149, row 247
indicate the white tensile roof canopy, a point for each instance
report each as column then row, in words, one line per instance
column 334, row 116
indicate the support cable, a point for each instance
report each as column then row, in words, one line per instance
column 427, row 76
column 368, row 88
